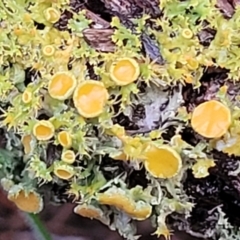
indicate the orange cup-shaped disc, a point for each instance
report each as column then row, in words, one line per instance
column 26, row 141
column 90, row 98
column 68, row 156
column 118, row 198
column 62, row 85
column 43, row 130
column 211, row 119
column 65, row 139
column 88, row 211
column 122, row 157
column 27, row 96
column 142, row 211
column 52, row 15
column 48, row 50
column 63, row 171
column 124, row 71
column 27, row 202
column 162, row 162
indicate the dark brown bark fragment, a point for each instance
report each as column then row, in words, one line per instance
column 100, row 39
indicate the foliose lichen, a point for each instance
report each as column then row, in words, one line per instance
column 107, row 120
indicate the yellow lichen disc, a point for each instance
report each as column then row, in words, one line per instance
column 27, row 96
column 43, row 130
column 65, row 139
column 192, row 63
column 188, row 79
column 117, row 200
column 124, row 71
column 187, row 33
column 27, row 202
column 162, row 162
column 62, row 85
column 88, row 211
column 68, row 156
column 63, row 173
column 26, row 141
column 90, row 98
column 63, row 170
column 122, row 157
column 142, row 211
column 52, row 15
column 211, row 119
column 48, row 50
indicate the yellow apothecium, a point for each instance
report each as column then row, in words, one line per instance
column 162, row 162
column 48, row 50
column 211, row 119
column 142, row 211
column 62, row 85
column 63, row 170
column 28, row 202
column 117, row 197
column 65, row 139
column 88, row 211
column 68, row 156
column 43, row 130
column 27, row 96
column 124, row 71
column 90, row 98
column 26, row 141
column 52, row 15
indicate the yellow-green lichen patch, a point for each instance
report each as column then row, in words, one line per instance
column 130, row 118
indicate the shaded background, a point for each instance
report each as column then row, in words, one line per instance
column 64, row 225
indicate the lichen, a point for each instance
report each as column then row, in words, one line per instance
column 83, row 101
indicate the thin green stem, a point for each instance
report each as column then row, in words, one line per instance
column 37, row 226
